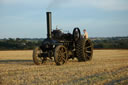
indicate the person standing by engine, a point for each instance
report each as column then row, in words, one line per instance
column 85, row 34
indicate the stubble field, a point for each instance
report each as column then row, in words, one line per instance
column 108, row 67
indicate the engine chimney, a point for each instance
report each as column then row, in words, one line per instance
column 49, row 24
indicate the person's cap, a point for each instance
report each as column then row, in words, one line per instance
column 84, row 30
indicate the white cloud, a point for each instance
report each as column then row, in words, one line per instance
column 111, row 4
column 102, row 4
column 38, row 3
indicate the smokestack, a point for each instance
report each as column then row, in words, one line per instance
column 49, row 24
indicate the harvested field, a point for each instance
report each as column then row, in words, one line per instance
column 108, row 67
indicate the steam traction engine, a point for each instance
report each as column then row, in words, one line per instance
column 62, row 46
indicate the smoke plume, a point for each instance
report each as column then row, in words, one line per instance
column 55, row 4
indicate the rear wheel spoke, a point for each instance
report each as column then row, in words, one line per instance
column 89, row 47
column 88, row 52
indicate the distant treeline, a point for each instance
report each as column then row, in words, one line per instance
column 19, row 44
column 28, row 44
column 111, row 43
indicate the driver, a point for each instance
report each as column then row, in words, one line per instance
column 85, row 34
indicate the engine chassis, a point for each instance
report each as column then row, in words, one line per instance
column 62, row 46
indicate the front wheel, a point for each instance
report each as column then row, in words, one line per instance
column 37, row 56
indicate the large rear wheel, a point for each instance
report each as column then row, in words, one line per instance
column 60, row 55
column 84, row 50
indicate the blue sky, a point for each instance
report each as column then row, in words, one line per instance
column 27, row 18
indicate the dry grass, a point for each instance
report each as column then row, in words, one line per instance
column 108, row 67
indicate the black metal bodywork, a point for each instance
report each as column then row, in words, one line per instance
column 62, row 46
column 55, row 38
